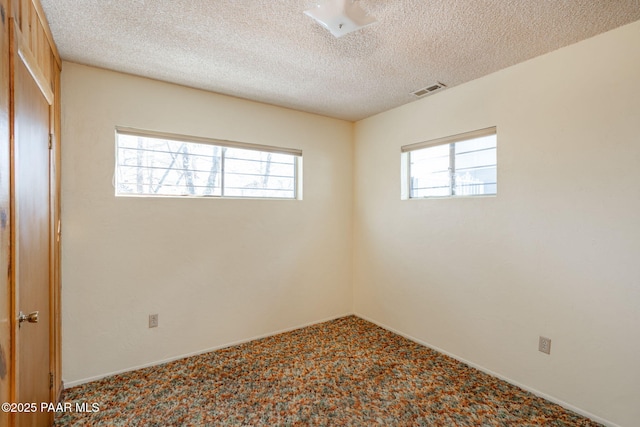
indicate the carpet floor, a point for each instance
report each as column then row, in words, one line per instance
column 346, row 372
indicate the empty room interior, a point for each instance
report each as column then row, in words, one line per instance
column 335, row 198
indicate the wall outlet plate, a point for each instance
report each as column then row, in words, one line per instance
column 153, row 320
column 544, row 345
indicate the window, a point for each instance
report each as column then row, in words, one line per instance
column 157, row 164
column 459, row 165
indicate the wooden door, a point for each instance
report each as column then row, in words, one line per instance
column 5, row 216
column 32, row 227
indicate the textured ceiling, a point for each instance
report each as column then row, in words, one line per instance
column 269, row 51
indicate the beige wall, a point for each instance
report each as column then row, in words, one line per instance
column 556, row 253
column 216, row 271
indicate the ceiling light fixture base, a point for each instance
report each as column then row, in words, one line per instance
column 340, row 17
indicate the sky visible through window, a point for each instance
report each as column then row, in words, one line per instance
column 149, row 166
column 465, row 168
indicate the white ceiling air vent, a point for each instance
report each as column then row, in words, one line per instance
column 429, row 89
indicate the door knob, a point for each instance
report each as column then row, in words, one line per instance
column 31, row 317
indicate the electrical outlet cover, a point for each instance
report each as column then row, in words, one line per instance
column 153, row 320
column 544, row 345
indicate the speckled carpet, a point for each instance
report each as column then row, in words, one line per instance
column 346, row 372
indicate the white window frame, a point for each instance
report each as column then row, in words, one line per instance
column 405, row 162
column 297, row 153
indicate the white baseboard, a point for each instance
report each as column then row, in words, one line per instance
column 416, row 340
column 497, row 375
column 70, row 384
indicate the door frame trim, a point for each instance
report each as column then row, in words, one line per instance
column 20, row 51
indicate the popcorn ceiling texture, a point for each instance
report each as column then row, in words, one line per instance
column 269, row 51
